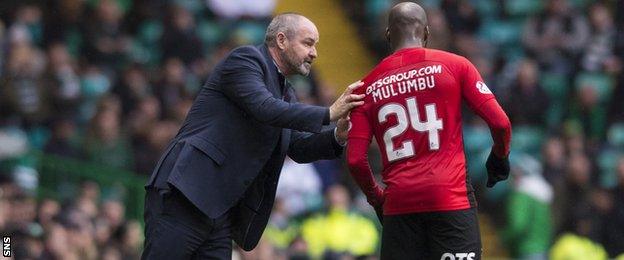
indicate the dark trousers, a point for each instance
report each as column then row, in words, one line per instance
column 176, row 229
column 432, row 235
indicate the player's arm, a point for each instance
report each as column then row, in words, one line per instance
column 481, row 100
column 358, row 141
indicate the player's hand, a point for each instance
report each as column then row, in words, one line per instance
column 497, row 169
column 342, row 130
column 346, row 102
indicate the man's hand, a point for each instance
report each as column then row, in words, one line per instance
column 346, row 102
column 342, row 130
column 497, row 169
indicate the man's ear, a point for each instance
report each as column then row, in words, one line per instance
column 282, row 40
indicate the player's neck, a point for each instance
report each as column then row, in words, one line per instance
column 415, row 43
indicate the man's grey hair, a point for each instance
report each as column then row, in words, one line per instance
column 285, row 23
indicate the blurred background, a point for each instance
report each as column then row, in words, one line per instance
column 91, row 91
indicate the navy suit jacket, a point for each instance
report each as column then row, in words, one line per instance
column 229, row 152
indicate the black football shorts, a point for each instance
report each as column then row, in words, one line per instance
column 445, row 235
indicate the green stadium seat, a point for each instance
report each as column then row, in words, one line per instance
column 192, row 6
column 555, row 86
column 524, row 7
column 150, row 32
column 607, row 161
column 475, row 164
column 477, row 138
column 210, row 32
column 501, row 32
column 602, row 82
column 580, row 4
column 615, row 135
column 486, row 8
column 527, row 139
column 375, row 8
column 249, row 32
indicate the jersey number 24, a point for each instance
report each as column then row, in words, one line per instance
column 411, row 117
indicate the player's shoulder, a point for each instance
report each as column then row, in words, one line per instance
column 371, row 76
column 445, row 57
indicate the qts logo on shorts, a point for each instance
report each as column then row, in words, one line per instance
column 458, row 256
column 483, row 88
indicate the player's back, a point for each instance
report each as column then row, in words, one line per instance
column 413, row 105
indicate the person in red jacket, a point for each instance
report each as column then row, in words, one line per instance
column 412, row 107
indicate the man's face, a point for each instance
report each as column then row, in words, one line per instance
column 300, row 51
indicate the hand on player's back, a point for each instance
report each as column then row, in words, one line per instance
column 346, row 102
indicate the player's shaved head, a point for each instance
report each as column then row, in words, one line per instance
column 407, row 25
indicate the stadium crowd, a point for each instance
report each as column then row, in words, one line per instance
column 110, row 81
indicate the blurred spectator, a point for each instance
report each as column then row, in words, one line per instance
column 588, row 113
column 105, row 43
column 28, row 17
column 556, row 35
column 22, row 88
column 62, row 79
column 440, row 30
column 280, row 231
column 181, row 110
column 299, row 187
column 13, row 142
column 339, row 232
column 56, row 244
column 616, row 110
column 572, row 194
column 526, row 89
column 614, row 226
column 113, row 213
column 63, row 141
column 461, row 16
column 147, row 154
column 130, row 239
column 529, row 228
column 146, row 113
column 63, row 28
column 553, row 153
column 132, row 87
column 172, row 89
column 233, row 9
column 179, row 39
column 105, row 142
column 47, row 210
column 575, row 243
column 599, row 54
column 94, row 85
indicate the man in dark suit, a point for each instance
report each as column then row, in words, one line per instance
column 217, row 179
